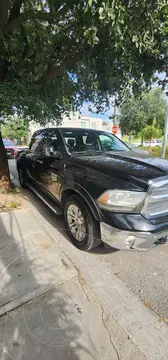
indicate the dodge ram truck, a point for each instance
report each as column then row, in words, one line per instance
column 106, row 191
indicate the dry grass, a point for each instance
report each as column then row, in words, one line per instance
column 10, row 199
column 156, row 152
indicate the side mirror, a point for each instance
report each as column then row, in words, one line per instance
column 51, row 152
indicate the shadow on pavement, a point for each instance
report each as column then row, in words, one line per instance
column 58, row 222
column 42, row 328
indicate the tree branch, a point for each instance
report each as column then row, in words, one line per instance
column 25, row 41
column 4, row 6
column 15, row 11
column 65, row 65
column 30, row 15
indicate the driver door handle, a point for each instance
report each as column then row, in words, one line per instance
column 40, row 161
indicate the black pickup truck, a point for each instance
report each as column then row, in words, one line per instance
column 105, row 191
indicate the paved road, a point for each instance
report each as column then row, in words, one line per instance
column 12, row 167
column 144, row 273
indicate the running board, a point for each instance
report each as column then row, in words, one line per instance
column 55, row 208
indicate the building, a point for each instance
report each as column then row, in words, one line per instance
column 78, row 121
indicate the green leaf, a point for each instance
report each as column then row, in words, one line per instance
column 101, row 9
column 134, row 38
column 166, row 29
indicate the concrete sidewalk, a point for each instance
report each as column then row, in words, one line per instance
column 54, row 314
column 30, row 262
column 131, row 328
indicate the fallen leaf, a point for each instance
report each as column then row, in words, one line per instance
column 147, row 305
column 45, row 246
column 165, row 319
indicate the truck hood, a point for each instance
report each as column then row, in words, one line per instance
column 129, row 166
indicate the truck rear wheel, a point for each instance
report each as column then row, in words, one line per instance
column 22, row 178
column 82, row 227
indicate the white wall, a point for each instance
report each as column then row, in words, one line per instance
column 76, row 120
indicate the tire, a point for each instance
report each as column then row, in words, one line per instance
column 22, row 178
column 89, row 238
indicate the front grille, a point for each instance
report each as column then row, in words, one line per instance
column 156, row 202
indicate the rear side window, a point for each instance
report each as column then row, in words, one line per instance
column 36, row 142
column 80, row 141
column 50, row 139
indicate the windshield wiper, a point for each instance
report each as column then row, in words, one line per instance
column 116, row 150
column 88, row 152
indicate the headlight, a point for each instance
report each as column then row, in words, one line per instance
column 121, row 200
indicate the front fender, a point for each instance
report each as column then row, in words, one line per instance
column 83, row 193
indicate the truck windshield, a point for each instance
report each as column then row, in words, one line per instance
column 82, row 141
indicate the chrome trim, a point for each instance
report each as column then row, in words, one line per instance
column 131, row 240
column 154, row 185
column 162, row 180
column 55, row 209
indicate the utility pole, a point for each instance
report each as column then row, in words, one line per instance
column 166, row 127
column 115, row 111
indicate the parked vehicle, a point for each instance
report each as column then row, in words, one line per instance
column 106, row 191
column 9, row 147
column 153, row 143
column 139, row 151
column 137, row 144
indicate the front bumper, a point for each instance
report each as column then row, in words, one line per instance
column 132, row 240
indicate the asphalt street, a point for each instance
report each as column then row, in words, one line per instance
column 145, row 274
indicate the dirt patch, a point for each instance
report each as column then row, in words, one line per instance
column 10, row 199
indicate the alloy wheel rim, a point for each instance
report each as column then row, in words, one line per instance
column 76, row 222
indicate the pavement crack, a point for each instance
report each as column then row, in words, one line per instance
column 80, row 280
column 79, row 276
column 107, row 329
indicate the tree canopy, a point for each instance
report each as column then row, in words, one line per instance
column 15, row 128
column 138, row 112
column 149, row 132
column 57, row 53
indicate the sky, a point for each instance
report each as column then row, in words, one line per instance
column 104, row 116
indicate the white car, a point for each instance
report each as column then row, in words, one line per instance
column 154, row 143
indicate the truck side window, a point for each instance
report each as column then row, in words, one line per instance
column 36, row 142
column 50, row 140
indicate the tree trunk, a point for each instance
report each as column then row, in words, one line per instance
column 4, row 169
column 150, row 144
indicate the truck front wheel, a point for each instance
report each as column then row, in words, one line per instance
column 82, row 227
